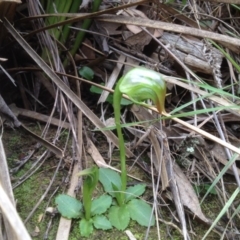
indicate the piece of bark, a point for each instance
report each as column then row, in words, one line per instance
column 191, row 51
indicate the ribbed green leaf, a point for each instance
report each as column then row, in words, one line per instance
column 68, row 206
column 119, row 217
column 86, row 227
column 101, row 204
column 141, row 212
column 101, row 222
column 135, row 191
column 107, row 177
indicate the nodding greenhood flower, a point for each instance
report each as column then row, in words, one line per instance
column 140, row 84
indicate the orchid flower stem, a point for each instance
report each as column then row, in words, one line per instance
column 138, row 84
column 116, row 103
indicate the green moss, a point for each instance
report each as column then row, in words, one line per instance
column 29, row 193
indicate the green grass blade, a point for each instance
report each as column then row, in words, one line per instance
column 185, row 114
column 86, row 24
column 226, row 55
column 74, row 8
column 220, row 175
column 225, row 208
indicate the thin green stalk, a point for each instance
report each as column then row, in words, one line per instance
column 66, row 29
column 89, row 185
column 63, row 8
column 49, row 9
column 117, row 113
column 80, row 36
column 138, row 84
column 87, row 201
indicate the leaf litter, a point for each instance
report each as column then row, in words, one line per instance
column 176, row 160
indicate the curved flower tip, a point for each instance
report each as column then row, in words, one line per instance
column 141, row 84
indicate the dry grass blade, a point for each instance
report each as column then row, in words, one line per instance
column 174, row 187
column 170, row 27
column 4, row 173
column 205, row 134
column 175, row 13
column 38, row 116
column 10, row 216
column 202, row 132
column 112, row 79
column 69, row 93
column 47, row 144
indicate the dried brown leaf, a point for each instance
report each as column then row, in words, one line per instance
column 140, row 37
column 135, row 29
column 187, row 193
column 140, row 40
